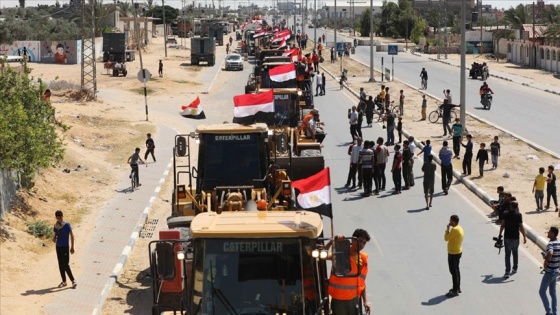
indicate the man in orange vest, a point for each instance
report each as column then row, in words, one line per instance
column 346, row 292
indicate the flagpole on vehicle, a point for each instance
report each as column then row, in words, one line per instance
column 332, row 221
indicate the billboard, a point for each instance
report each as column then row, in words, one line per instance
column 61, row 52
column 22, row 48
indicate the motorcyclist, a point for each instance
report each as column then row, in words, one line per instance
column 484, row 90
column 424, row 76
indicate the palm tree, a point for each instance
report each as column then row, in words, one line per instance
column 150, row 5
column 552, row 34
column 517, row 16
column 552, row 15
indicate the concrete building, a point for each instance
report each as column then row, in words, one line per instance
column 531, row 49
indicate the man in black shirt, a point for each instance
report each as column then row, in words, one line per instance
column 467, row 158
column 150, row 146
column 551, row 187
column 512, row 224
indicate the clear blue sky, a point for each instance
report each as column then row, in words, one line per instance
column 177, row 3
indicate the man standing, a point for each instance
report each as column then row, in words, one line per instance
column 354, row 158
column 323, row 82
column 551, row 188
column 160, row 69
column 512, row 224
column 382, row 155
column 63, row 236
column 467, row 158
column 396, row 169
column 550, row 266
column 390, row 128
column 429, row 169
column 406, row 165
column 346, row 292
column 366, row 161
column 446, row 115
column 446, row 167
column 454, row 237
column 319, row 85
column 457, row 129
column 401, row 102
column 353, row 122
column 150, row 147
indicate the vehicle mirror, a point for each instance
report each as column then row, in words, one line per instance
column 165, row 260
column 181, row 146
column 342, row 266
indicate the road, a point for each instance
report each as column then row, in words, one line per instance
column 525, row 111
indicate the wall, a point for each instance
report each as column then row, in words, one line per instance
column 8, row 189
column 61, row 52
column 17, row 48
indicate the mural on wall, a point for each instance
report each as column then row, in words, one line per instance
column 61, row 52
column 29, row 49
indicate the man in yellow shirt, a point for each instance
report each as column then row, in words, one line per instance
column 454, row 237
column 538, row 188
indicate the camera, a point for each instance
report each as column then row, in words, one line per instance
column 499, row 243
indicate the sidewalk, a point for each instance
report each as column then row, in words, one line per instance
column 108, row 246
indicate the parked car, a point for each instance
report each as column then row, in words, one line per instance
column 234, row 61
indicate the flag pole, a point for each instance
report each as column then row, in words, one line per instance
column 332, row 215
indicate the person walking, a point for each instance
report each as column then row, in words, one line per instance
column 315, row 60
column 406, row 165
column 354, row 160
column 467, row 158
column 323, row 83
column 332, row 54
column 382, row 156
column 454, row 235
column 160, row 69
column 429, row 169
column 366, row 160
column 396, row 169
column 318, row 85
column 150, row 147
column 495, row 152
column 401, row 103
column 550, row 266
column 361, row 110
column 390, row 128
column 369, row 110
column 551, row 188
column 424, row 107
column 64, row 240
column 346, row 292
column 457, row 129
column 399, row 128
column 512, row 225
column 482, row 157
column 538, row 188
column 445, row 156
column 353, row 116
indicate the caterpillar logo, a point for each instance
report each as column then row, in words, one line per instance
column 232, row 137
column 253, row 247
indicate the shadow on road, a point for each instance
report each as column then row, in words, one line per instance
column 490, row 279
column 435, row 300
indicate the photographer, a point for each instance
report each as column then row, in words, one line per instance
column 512, row 224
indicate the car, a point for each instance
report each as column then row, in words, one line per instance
column 234, row 61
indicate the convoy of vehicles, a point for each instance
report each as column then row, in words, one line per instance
column 203, row 49
column 234, row 61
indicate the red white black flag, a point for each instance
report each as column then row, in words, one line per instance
column 253, row 108
column 193, row 110
column 314, row 193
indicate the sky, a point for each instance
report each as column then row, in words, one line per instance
column 506, row 4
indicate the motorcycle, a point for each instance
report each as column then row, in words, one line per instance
column 486, row 100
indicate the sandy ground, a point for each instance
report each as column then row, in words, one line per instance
column 99, row 140
column 515, row 155
column 102, row 136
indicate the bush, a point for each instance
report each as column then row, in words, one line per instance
column 40, row 229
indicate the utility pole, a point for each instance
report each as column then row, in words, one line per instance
column 463, row 62
column 534, row 50
column 164, row 27
column 335, row 29
column 88, row 65
column 480, row 24
column 371, row 50
column 137, row 35
column 315, row 25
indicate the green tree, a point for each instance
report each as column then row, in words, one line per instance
column 419, row 30
column 29, row 137
column 517, row 16
column 170, row 14
column 365, row 23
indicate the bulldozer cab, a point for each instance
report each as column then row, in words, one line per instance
column 286, row 106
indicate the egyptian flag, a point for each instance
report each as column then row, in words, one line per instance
column 282, row 44
column 193, row 110
column 259, row 33
column 314, row 193
column 285, row 34
column 293, row 53
column 283, row 76
column 278, row 40
column 253, row 108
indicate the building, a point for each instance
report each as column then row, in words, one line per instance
column 345, row 11
column 539, row 9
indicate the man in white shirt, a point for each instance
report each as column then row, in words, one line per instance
column 353, row 120
column 318, row 85
column 354, row 167
column 447, row 96
column 313, row 131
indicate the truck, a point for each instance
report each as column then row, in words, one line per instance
column 236, row 244
column 114, row 47
column 203, row 49
column 213, row 28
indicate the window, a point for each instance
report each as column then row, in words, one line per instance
column 553, row 55
column 548, row 54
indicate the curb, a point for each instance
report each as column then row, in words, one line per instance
column 130, row 245
column 539, row 240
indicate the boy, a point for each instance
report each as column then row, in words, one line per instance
column 551, row 188
column 401, row 102
column 424, row 106
column 133, row 161
column 399, row 129
column 150, row 146
column 482, row 157
column 538, row 188
column 427, row 150
column 397, row 169
column 495, row 152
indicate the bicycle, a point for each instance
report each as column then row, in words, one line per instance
column 436, row 114
column 133, row 181
column 424, row 84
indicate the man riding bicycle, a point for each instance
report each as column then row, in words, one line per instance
column 485, row 90
column 133, row 161
column 424, row 76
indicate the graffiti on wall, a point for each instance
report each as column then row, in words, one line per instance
column 61, row 52
column 29, row 49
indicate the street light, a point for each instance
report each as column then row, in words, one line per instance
column 371, row 51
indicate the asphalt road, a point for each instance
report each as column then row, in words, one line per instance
column 525, row 111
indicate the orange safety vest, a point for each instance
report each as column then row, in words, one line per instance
column 348, row 288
